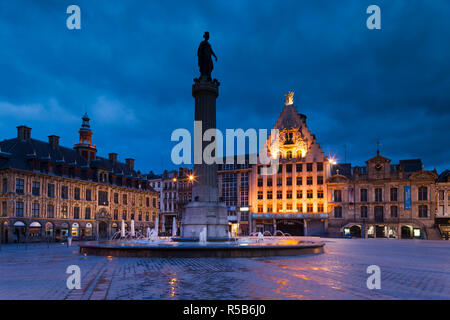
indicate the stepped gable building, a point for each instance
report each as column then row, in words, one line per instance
column 382, row 200
column 49, row 192
column 294, row 199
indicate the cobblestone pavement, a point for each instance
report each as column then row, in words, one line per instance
column 410, row 269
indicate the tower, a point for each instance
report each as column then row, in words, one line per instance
column 85, row 147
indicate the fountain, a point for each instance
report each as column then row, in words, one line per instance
column 174, row 227
column 202, row 236
column 204, row 224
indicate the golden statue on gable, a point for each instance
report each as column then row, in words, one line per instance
column 289, row 98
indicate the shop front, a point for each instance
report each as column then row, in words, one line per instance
column 293, row 224
column 444, row 227
column 35, row 231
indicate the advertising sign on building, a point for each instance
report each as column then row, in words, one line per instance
column 407, row 197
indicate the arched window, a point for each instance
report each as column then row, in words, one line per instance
column 280, row 155
column 289, row 155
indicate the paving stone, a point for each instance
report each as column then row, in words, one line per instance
column 410, row 269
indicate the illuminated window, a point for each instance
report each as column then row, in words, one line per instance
column 289, row 155
column 299, row 194
column 299, row 207
column 309, row 194
column 309, row 207
column 320, row 207
column 64, row 212
column 289, row 194
column 289, row 206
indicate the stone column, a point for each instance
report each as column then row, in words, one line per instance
column 205, row 211
column 205, row 94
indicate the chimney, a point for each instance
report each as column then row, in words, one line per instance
column 53, row 141
column 23, row 133
column 130, row 163
column 113, row 157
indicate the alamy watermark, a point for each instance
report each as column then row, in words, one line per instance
column 207, row 145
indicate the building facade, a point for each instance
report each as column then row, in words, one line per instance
column 311, row 194
column 442, row 217
column 50, row 192
column 383, row 200
column 175, row 191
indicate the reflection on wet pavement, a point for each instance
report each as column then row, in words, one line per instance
column 410, row 269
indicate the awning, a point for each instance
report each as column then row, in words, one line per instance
column 19, row 224
column 35, row 224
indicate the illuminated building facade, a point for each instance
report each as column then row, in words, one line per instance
column 50, row 192
column 292, row 200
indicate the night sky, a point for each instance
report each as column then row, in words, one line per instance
column 131, row 68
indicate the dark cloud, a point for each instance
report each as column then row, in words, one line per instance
column 131, row 67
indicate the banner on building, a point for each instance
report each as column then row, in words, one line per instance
column 407, row 197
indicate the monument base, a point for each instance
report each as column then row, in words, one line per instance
column 198, row 215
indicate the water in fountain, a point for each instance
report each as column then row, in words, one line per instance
column 202, row 236
column 174, row 227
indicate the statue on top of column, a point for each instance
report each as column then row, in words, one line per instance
column 205, row 54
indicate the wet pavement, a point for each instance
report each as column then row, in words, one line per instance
column 410, row 269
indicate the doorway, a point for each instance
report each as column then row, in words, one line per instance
column 293, row 227
column 102, row 230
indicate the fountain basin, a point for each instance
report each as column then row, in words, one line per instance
column 172, row 249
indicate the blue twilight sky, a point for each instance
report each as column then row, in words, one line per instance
column 131, row 68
